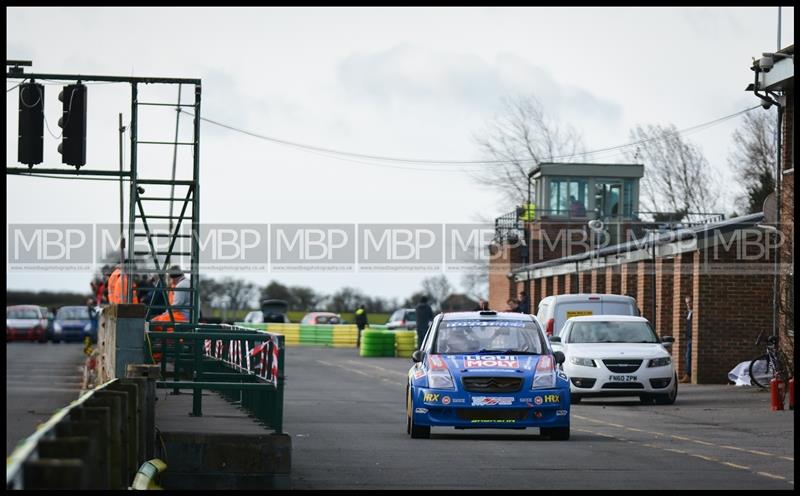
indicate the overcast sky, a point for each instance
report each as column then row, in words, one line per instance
column 403, row 82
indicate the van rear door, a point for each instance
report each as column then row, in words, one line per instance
column 619, row 308
column 567, row 310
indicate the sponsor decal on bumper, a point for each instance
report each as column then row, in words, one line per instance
column 492, row 400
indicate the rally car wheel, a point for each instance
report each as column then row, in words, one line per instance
column 416, row 431
column 556, row 433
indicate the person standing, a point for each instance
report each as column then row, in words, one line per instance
column 687, row 377
column 424, row 318
column 361, row 323
column 524, row 304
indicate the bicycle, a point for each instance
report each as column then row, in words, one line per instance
column 775, row 366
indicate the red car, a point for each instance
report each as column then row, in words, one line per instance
column 26, row 322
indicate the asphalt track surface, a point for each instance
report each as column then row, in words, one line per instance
column 346, row 416
column 41, row 378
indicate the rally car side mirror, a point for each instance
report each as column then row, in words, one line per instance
column 418, row 356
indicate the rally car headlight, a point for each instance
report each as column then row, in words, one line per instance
column 545, row 373
column 440, row 380
column 584, row 362
column 659, row 362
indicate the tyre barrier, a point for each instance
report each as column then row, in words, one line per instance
column 337, row 336
column 406, row 343
column 376, row 343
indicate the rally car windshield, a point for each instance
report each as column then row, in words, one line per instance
column 491, row 337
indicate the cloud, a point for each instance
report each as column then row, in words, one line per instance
column 411, row 75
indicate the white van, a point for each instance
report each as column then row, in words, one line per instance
column 555, row 310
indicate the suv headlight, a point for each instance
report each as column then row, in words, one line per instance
column 440, row 380
column 87, row 327
column 57, row 327
column 584, row 362
column 659, row 362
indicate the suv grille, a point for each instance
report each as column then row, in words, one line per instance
column 624, row 366
column 492, row 384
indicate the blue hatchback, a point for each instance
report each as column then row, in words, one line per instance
column 487, row 370
column 74, row 323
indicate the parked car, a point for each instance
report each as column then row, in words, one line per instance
column 275, row 311
column 322, row 318
column 405, row 318
column 554, row 311
column 74, row 323
column 616, row 355
column 26, row 322
column 254, row 317
column 487, row 370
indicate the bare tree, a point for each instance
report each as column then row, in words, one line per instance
column 240, row 293
column 522, row 136
column 476, row 284
column 677, row 177
column 753, row 159
column 437, row 288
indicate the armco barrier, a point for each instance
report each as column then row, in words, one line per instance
column 93, row 443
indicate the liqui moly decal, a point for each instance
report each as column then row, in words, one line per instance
column 494, row 361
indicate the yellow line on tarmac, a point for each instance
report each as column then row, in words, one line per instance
column 684, row 438
column 392, row 372
column 756, row 452
column 772, row 476
column 686, row 453
column 704, row 457
column 351, row 369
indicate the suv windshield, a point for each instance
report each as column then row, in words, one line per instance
column 612, row 332
column 488, row 336
column 73, row 313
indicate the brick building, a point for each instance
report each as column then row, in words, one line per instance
column 774, row 85
column 730, row 268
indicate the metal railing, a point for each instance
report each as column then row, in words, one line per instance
column 96, row 442
column 512, row 224
column 245, row 366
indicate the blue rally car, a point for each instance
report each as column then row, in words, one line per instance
column 487, row 370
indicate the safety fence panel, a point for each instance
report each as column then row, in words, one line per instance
column 243, row 365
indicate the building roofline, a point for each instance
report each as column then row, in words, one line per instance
column 669, row 237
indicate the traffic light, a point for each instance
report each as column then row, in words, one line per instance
column 31, row 123
column 73, row 124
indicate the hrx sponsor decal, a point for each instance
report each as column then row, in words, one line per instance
column 418, row 374
column 501, row 361
column 547, row 399
column 491, row 400
column 421, row 410
column 561, row 413
column 431, row 397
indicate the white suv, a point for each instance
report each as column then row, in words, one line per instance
column 615, row 355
